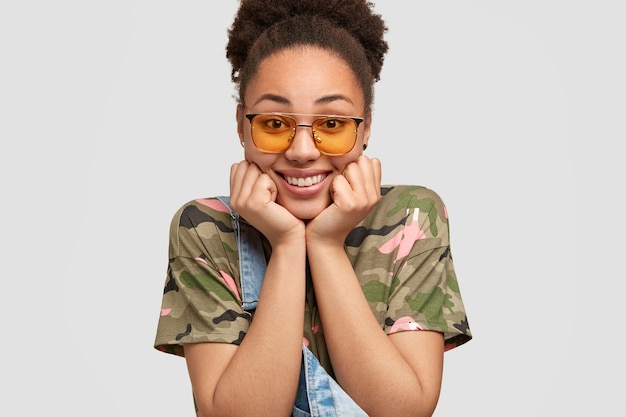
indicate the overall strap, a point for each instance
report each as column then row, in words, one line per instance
column 252, row 262
column 325, row 396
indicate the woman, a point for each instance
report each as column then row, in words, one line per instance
column 356, row 279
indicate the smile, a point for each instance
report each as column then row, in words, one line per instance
column 306, row 181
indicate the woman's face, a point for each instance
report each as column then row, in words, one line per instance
column 305, row 81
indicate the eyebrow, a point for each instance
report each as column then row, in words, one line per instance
column 283, row 100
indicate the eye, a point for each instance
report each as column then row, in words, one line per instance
column 332, row 124
column 277, row 123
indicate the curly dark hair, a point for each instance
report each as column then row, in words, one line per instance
column 349, row 28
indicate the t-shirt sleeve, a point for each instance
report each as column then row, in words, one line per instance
column 201, row 300
column 426, row 293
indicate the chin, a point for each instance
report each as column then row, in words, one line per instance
column 305, row 210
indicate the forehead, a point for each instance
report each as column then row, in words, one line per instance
column 304, row 75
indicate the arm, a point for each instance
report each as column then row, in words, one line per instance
column 260, row 377
column 226, row 378
column 398, row 374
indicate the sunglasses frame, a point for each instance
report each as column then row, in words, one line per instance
column 356, row 120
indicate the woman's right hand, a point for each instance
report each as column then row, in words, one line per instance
column 253, row 196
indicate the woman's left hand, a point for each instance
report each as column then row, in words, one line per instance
column 353, row 193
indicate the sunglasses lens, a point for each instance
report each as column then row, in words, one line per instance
column 335, row 135
column 272, row 132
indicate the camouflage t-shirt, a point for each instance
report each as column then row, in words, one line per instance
column 400, row 253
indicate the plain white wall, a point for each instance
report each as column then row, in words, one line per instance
column 113, row 114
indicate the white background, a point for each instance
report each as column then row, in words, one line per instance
column 114, row 113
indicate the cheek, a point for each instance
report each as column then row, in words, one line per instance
column 340, row 162
column 252, row 154
column 263, row 160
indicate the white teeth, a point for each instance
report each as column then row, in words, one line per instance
column 305, row 182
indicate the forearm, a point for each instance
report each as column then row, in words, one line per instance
column 261, row 378
column 365, row 361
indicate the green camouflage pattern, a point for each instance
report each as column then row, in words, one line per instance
column 400, row 253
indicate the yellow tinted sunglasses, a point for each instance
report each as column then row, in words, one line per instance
column 333, row 135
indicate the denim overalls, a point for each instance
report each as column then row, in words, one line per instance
column 318, row 395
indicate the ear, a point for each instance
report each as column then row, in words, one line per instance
column 367, row 126
column 241, row 117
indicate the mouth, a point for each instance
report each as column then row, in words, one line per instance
column 305, row 181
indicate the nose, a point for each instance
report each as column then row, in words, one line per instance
column 302, row 147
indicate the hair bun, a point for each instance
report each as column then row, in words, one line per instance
column 355, row 16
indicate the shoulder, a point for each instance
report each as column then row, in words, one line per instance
column 199, row 222
column 408, row 205
column 411, row 196
column 201, row 210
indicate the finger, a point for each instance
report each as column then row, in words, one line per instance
column 339, row 189
column 370, row 168
column 236, row 170
column 354, row 175
column 378, row 171
column 364, row 177
column 264, row 190
column 242, row 181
